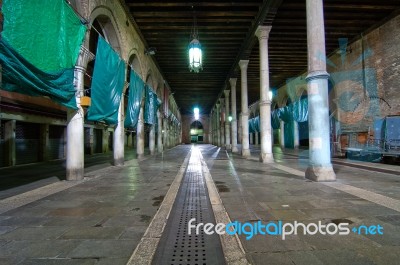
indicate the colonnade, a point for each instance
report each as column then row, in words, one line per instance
column 320, row 167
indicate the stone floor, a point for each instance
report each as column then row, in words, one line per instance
column 102, row 219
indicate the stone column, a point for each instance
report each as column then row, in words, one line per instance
column 282, row 134
column 9, row 141
column 75, row 121
column 234, row 141
column 266, row 156
column 296, row 134
column 140, row 133
column 227, row 125
column 218, row 116
column 119, row 134
column 245, row 109
column 165, row 134
column 251, row 138
column 152, row 139
column 210, row 128
column 159, row 131
column 129, row 142
column 320, row 167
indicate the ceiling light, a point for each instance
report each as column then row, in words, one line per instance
column 195, row 52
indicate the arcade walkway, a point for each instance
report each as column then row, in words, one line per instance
column 117, row 215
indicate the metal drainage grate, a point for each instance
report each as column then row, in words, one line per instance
column 176, row 245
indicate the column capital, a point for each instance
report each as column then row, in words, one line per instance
column 262, row 32
column 243, row 64
column 85, row 56
column 226, row 92
column 317, row 75
column 232, row 81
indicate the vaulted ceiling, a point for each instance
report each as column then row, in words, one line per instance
column 226, row 32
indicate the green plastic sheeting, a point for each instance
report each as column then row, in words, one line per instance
column 47, row 33
column 39, row 46
column 136, row 88
column 300, row 110
column 22, row 77
column 254, row 125
column 275, row 122
column 151, row 105
column 107, row 84
column 289, row 134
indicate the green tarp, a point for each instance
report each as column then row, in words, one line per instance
column 289, row 134
column 151, row 105
column 107, row 84
column 22, row 77
column 47, row 33
column 136, row 88
column 39, row 48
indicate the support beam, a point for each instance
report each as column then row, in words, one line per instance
column 245, row 108
column 266, row 156
column 320, row 167
column 152, row 139
column 232, row 82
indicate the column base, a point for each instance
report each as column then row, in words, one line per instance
column 235, row 149
column 119, row 162
column 228, row 147
column 246, row 152
column 75, row 174
column 140, row 156
column 319, row 173
column 267, row 158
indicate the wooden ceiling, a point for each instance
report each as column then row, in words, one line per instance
column 226, row 32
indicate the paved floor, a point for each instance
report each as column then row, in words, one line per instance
column 102, row 219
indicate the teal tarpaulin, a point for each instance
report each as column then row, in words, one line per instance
column 39, row 48
column 300, row 110
column 254, row 125
column 22, row 77
column 136, row 88
column 151, row 105
column 275, row 122
column 107, row 84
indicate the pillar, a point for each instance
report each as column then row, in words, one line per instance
column 218, row 116
column 44, row 142
column 234, row 141
column 227, row 125
column 119, row 134
column 152, row 139
column 266, row 156
column 159, row 132
column 75, row 121
column 165, row 134
column 240, row 129
column 282, row 134
column 296, row 134
column 245, row 109
column 140, row 134
column 210, row 128
column 9, row 138
column 129, row 142
column 222, row 122
column 320, row 167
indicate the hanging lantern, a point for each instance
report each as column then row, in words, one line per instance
column 195, row 56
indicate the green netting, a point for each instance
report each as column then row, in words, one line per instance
column 150, row 107
column 107, row 84
column 47, row 33
column 22, row 77
column 136, row 88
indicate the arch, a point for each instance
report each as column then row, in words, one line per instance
column 109, row 27
column 196, row 132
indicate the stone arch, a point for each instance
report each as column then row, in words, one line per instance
column 109, row 26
